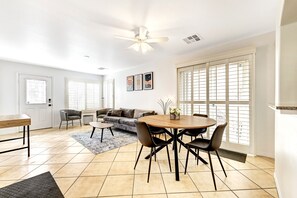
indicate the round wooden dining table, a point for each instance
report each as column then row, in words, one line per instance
column 185, row 122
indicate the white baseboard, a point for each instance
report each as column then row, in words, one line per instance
column 277, row 186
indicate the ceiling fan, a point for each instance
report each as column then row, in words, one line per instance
column 142, row 40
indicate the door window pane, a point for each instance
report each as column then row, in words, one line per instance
column 35, row 91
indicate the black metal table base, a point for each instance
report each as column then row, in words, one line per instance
column 101, row 132
column 175, row 139
column 24, row 141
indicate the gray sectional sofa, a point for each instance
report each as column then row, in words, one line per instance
column 124, row 118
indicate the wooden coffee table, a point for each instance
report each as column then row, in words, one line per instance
column 102, row 126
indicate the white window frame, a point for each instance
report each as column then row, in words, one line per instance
column 229, row 55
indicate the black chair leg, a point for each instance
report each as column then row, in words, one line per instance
column 155, row 154
column 60, row 124
column 197, row 156
column 187, row 159
column 168, row 158
column 181, row 138
column 67, row 125
column 138, row 156
column 149, row 170
column 221, row 163
column 196, row 149
column 212, row 173
column 80, row 122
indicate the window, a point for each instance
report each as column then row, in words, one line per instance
column 222, row 90
column 35, row 91
column 83, row 95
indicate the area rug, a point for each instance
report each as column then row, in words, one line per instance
column 120, row 138
column 240, row 157
column 233, row 155
column 40, row 186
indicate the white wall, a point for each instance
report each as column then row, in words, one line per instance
column 165, row 85
column 265, row 94
column 9, row 85
column 286, row 121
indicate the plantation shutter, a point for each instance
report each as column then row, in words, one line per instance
column 185, row 91
column 83, row 95
column 76, row 95
column 222, row 90
column 93, row 96
column 239, row 100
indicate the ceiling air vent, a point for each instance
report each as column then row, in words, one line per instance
column 192, row 39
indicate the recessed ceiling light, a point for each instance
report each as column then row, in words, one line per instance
column 102, row 68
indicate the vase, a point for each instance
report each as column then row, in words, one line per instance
column 174, row 116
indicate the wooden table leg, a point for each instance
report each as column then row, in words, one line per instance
column 28, row 130
column 92, row 132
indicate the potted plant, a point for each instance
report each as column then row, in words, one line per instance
column 174, row 113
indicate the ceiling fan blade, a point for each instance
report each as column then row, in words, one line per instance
column 157, row 40
column 126, row 38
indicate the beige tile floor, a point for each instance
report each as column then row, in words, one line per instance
column 79, row 173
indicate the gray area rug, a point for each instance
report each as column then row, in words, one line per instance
column 120, row 138
column 40, row 186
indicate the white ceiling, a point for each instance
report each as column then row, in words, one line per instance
column 60, row 33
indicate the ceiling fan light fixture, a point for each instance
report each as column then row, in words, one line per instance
column 141, row 46
column 135, row 46
column 145, row 47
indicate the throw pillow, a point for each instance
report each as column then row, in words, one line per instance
column 116, row 112
column 128, row 113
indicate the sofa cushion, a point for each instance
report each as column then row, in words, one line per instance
column 140, row 113
column 102, row 111
column 116, row 112
column 128, row 113
column 73, row 117
column 128, row 121
column 113, row 119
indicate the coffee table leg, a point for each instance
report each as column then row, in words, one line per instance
column 111, row 131
column 102, row 134
column 92, row 132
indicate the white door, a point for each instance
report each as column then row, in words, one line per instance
column 35, row 100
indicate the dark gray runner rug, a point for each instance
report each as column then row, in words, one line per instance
column 240, row 157
column 40, row 186
column 120, row 138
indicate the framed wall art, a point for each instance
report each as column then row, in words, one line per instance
column 130, row 83
column 148, row 80
column 138, row 82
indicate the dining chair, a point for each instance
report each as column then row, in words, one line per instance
column 146, row 139
column 156, row 131
column 213, row 144
column 193, row 133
